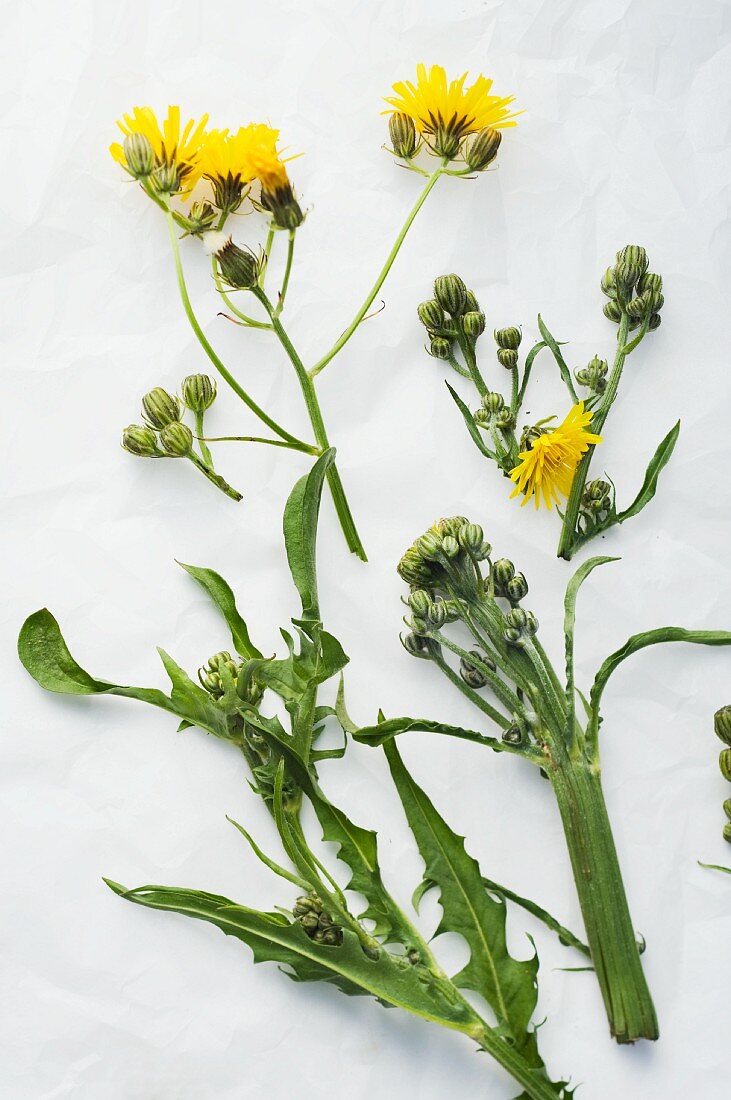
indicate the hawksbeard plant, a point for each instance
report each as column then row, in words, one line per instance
column 505, row 672
column 202, row 179
column 550, row 462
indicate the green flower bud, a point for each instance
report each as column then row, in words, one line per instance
column 471, row 304
column 429, row 546
column 482, row 417
column 454, row 610
column 517, row 588
column 473, row 677
column 593, row 375
column 635, row 255
column 612, row 311
column 471, row 538
column 440, row 348
column 160, row 408
column 655, row 322
column 431, row 315
column 507, row 358
column 508, row 338
column 473, row 324
column 724, row 763
column 177, row 439
column 649, row 281
column 450, row 546
column 516, row 618
column 140, row 440
column 727, row 808
column 722, row 724
column 493, row 402
column 201, row 217
column 437, row 614
column 450, row 525
column 608, row 284
column 402, row 132
column 597, row 496
column 505, row 420
column 482, row 149
column 626, row 275
column 239, row 267
column 165, row 179
column 450, row 292
column 416, row 645
column 502, row 572
column 727, row 832
column 420, row 601
column 413, row 569
column 199, row 392
column 139, row 155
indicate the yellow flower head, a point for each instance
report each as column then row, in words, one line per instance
column 446, row 112
column 547, row 468
column 173, row 147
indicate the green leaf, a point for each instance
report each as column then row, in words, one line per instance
column 45, row 655
column 658, row 461
column 715, row 867
column 554, row 345
column 267, row 861
column 224, row 599
column 566, row 937
column 389, row 728
column 471, row 425
column 341, row 712
column 300, row 533
column 572, row 591
column 507, row 984
column 642, row 641
column 273, row 939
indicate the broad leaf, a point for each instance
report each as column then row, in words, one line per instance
column 300, row 533
column 45, row 655
column 221, row 594
column 273, row 939
column 507, row 984
column 472, row 427
column 658, row 461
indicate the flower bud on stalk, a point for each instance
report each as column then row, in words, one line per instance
column 596, row 496
column 160, row 408
column 635, row 255
column 471, row 305
column 239, row 267
column 722, row 724
column 402, row 132
column 139, row 156
column 471, row 538
column 420, row 601
column 199, row 392
column 165, row 179
column 200, row 218
column 451, row 293
column 416, row 646
column 593, row 375
column 140, row 440
column 481, row 150
column 508, row 338
column 502, row 572
column 440, row 347
column 177, row 439
column 493, row 402
column 507, row 358
column 473, row 324
column 724, row 763
column 431, row 315
column 517, row 588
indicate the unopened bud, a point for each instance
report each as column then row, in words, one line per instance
column 608, row 284
column 450, row 292
column 507, row 358
column 437, row 614
column 239, row 267
column 140, row 440
column 402, row 132
column 505, row 420
column 502, row 572
column 722, row 724
column 160, row 408
column 635, row 255
column 724, row 763
column 650, row 281
column 517, row 588
column 450, row 546
column 612, row 311
column 420, row 601
column 473, row 324
column 509, row 338
column 199, row 392
column 165, row 179
column 482, row 149
column 177, row 439
column 200, row 218
column 655, row 322
column 429, row 546
column 593, row 375
column 493, row 402
column 471, row 538
column 139, row 155
column 440, row 348
column 431, row 315
column 416, row 646
column 626, row 275
column 471, row 305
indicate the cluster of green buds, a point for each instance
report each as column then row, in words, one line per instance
column 593, row 375
column 308, row 911
column 493, row 412
column 222, row 671
column 240, row 267
column 633, row 290
column 452, row 316
column 597, row 499
column 478, row 151
column 508, row 341
column 722, row 726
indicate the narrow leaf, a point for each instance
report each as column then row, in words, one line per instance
column 267, row 861
column 300, row 532
column 220, row 592
column 566, row 937
column 471, row 425
column 389, row 728
column 715, row 867
column 572, row 591
column 553, row 344
column 658, row 461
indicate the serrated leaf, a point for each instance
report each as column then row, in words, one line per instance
column 222, row 595
column 657, row 463
column 273, row 939
column 300, row 533
column 45, row 655
column 507, row 984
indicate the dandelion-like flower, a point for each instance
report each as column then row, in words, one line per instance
column 547, row 467
column 446, row 112
column 176, row 149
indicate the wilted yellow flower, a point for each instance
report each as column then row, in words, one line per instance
column 230, row 161
column 446, row 112
column 547, row 468
column 174, row 148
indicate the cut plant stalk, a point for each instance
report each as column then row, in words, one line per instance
column 536, row 717
column 380, row 952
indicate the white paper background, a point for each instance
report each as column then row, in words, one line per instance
column 625, row 138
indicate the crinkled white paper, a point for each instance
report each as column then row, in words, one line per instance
column 625, row 138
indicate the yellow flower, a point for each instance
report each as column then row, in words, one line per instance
column 446, row 112
column 230, row 161
column 547, row 468
column 173, row 147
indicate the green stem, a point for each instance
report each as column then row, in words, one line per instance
column 470, row 358
column 305, row 448
column 205, row 452
column 217, row 363
column 534, row 1081
column 343, row 339
column 566, row 543
column 287, row 272
column 314, row 412
column 604, row 907
column 250, row 322
column 215, row 478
